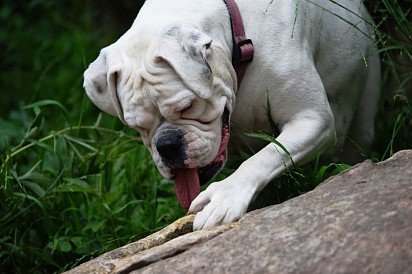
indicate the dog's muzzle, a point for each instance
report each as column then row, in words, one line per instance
column 172, row 147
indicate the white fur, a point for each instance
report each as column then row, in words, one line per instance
column 312, row 64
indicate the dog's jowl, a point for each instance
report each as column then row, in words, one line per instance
column 173, row 77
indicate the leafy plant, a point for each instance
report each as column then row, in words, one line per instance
column 77, row 192
column 394, row 120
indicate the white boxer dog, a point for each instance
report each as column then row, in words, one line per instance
column 170, row 77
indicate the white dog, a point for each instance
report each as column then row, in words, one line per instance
column 171, row 78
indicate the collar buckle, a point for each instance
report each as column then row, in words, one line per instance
column 243, row 52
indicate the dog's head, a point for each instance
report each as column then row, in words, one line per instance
column 177, row 90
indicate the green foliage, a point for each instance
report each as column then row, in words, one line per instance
column 394, row 121
column 75, row 183
column 70, row 194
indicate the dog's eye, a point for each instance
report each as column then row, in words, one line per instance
column 208, row 45
column 187, row 109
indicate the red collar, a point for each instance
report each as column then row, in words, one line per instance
column 242, row 52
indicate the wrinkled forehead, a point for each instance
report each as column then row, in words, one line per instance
column 169, row 96
column 174, row 94
column 138, row 109
column 162, row 84
column 157, row 96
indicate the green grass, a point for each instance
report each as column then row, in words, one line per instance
column 394, row 120
column 75, row 183
column 74, row 193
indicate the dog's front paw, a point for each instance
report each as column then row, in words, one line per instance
column 221, row 203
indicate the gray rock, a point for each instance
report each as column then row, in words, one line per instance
column 357, row 222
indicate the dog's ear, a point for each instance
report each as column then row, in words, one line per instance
column 185, row 50
column 100, row 81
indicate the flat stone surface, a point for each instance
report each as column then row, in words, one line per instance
column 357, row 222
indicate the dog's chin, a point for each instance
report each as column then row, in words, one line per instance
column 188, row 180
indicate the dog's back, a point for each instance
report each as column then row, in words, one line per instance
column 339, row 38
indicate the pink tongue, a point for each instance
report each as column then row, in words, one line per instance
column 187, row 186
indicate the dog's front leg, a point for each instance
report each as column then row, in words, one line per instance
column 226, row 201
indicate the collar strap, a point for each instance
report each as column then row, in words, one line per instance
column 242, row 52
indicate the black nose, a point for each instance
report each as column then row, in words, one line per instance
column 171, row 147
